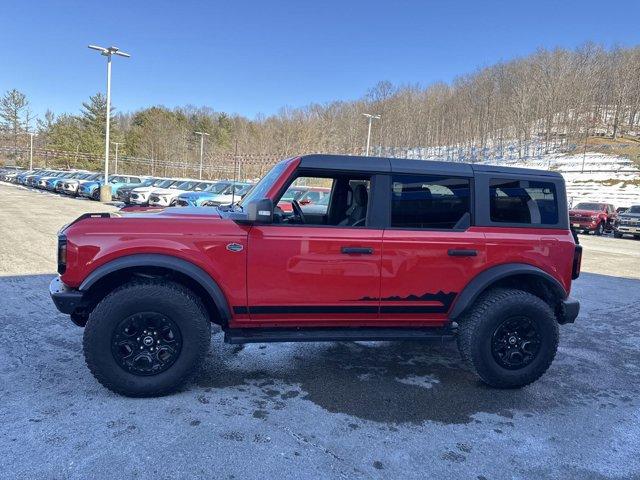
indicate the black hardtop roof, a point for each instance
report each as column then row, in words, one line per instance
column 404, row 165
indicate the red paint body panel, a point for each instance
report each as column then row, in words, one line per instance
column 200, row 239
column 297, row 275
column 304, row 266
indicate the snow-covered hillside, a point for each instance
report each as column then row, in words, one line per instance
column 593, row 176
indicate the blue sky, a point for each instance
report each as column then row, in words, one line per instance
column 255, row 57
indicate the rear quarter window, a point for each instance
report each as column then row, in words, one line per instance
column 523, row 202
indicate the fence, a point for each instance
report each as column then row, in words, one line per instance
column 252, row 166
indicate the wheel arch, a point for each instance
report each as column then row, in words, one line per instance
column 514, row 275
column 108, row 276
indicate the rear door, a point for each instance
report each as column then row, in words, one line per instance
column 429, row 250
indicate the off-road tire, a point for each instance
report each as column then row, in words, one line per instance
column 475, row 332
column 599, row 229
column 165, row 297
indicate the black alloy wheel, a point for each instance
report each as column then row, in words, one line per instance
column 515, row 343
column 146, row 343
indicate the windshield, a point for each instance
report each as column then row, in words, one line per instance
column 634, row 209
column 264, row 185
column 242, row 189
column 216, row 187
column 202, row 186
column 185, row 185
column 148, row 182
column 589, row 206
column 165, row 183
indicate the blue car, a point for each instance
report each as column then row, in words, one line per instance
column 197, row 198
column 92, row 189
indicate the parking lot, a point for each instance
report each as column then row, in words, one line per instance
column 327, row 410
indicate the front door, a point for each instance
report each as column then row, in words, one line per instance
column 321, row 268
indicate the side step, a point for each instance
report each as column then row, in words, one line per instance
column 264, row 335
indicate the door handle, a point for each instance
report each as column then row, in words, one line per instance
column 454, row 252
column 357, row 250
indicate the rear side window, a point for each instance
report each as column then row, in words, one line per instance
column 523, row 201
column 421, row 201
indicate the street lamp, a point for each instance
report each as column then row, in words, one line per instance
column 31, row 134
column 107, row 52
column 370, row 117
column 202, row 135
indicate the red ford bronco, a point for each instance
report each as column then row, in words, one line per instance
column 405, row 250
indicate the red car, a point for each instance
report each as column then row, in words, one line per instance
column 593, row 217
column 303, row 195
column 405, row 250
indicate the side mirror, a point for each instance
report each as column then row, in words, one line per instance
column 260, row 211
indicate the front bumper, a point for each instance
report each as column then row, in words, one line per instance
column 583, row 225
column 66, row 299
column 568, row 310
column 634, row 230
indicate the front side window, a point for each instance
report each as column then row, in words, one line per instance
column 523, row 201
column 346, row 201
column 428, row 201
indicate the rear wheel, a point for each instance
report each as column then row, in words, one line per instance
column 146, row 338
column 509, row 338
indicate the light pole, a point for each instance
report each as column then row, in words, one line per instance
column 105, row 190
column 370, row 117
column 31, row 134
column 116, row 144
column 202, row 135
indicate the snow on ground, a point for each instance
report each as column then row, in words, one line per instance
column 592, row 176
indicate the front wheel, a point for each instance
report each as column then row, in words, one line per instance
column 599, row 229
column 617, row 235
column 146, row 338
column 509, row 338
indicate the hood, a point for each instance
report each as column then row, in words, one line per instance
column 197, row 195
column 143, row 189
column 168, row 191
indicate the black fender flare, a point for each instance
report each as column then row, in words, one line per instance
column 169, row 262
column 485, row 279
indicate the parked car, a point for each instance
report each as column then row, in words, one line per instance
column 42, row 181
column 168, row 197
column 292, row 193
column 593, row 217
column 123, row 193
column 140, row 195
column 10, row 172
column 310, row 196
column 628, row 223
column 71, row 185
column 230, row 193
column 92, row 189
column 476, row 252
column 52, row 183
column 197, row 199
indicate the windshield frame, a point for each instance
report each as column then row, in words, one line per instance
column 266, row 183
